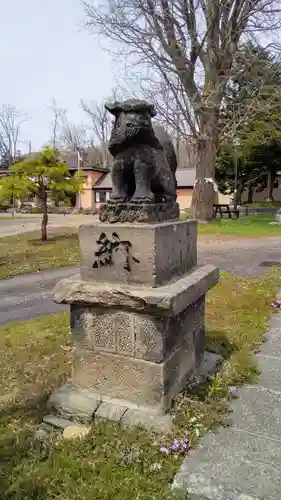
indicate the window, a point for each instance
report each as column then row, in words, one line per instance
column 107, row 196
column 100, row 196
column 276, row 184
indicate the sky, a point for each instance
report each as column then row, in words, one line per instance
column 45, row 54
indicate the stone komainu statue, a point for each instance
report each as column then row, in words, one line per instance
column 145, row 161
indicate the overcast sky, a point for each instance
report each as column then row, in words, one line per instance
column 44, row 55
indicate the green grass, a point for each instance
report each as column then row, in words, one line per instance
column 113, row 463
column 264, row 204
column 11, row 217
column 26, row 253
column 247, row 227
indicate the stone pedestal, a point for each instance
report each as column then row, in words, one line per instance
column 137, row 321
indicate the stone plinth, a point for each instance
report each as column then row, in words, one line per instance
column 136, row 212
column 137, row 254
column 137, row 320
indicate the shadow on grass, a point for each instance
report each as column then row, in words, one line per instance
column 52, row 238
column 217, row 341
column 17, row 425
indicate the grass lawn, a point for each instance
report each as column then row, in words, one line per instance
column 25, row 253
column 264, row 204
column 247, row 227
column 113, row 463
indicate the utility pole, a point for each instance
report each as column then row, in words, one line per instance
column 78, row 201
column 235, row 159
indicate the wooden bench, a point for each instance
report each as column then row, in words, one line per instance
column 225, row 210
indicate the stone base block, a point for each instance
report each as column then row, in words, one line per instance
column 137, row 381
column 143, row 254
column 71, row 401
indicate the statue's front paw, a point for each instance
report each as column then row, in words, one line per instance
column 117, row 198
column 143, row 197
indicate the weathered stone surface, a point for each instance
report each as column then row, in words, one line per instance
column 206, row 369
column 78, row 326
column 110, row 411
column 158, row 423
column 102, row 331
column 55, row 421
column 75, row 432
column 150, row 333
column 133, row 212
column 72, row 403
column 144, row 336
column 125, row 333
column 141, row 382
column 146, row 254
column 170, row 299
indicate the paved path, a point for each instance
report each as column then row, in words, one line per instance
column 243, row 462
column 241, row 256
column 29, row 296
column 10, row 226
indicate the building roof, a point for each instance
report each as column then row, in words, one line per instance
column 185, row 178
column 89, row 161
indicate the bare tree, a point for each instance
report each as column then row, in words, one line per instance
column 56, row 117
column 101, row 123
column 72, row 136
column 190, row 45
column 10, row 124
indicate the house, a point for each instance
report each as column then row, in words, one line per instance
column 91, row 174
column 185, row 184
column 75, row 161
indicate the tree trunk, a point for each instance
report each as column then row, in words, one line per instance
column 250, row 194
column 238, row 196
column 45, row 215
column 270, row 185
column 204, row 193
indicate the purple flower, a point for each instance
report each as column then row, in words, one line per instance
column 184, row 443
column 175, row 446
column 165, row 450
column 232, row 389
